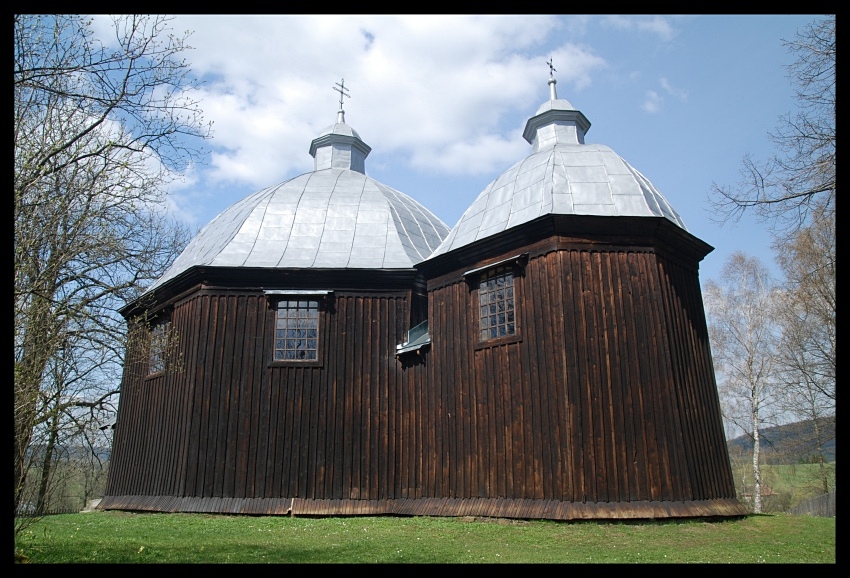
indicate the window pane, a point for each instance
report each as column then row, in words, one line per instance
column 496, row 304
column 158, row 346
column 298, row 323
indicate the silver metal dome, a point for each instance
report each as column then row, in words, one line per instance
column 333, row 217
column 563, row 176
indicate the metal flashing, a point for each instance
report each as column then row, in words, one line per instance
column 298, row 291
column 518, row 260
column 417, row 337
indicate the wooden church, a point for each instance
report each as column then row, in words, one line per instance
column 327, row 346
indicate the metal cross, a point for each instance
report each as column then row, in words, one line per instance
column 553, row 94
column 342, row 92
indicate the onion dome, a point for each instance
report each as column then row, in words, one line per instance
column 332, row 217
column 562, row 176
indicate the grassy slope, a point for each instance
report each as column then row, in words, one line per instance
column 793, row 483
column 116, row 537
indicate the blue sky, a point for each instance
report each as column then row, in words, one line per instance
column 443, row 100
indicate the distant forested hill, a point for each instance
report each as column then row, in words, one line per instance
column 791, row 443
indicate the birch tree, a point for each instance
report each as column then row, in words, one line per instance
column 793, row 191
column 101, row 127
column 741, row 312
column 807, row 316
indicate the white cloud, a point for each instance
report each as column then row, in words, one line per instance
column 485, row 154
column 577, row 26
column 423, row 86
column 652, row 102
column 447, row 95
column 660, row 26
column 673, row 91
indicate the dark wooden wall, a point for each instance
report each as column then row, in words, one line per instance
column 227, row 422
column 605, row 404
column 607, row 396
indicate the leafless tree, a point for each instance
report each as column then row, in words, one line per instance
column 100, row 130
column 807, row 259
column 807, row 318
column 801, row 174
column 744, row 335
column 794, row 192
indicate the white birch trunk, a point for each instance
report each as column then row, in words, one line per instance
column 756, row 466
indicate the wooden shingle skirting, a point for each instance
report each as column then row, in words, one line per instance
column 482, row 507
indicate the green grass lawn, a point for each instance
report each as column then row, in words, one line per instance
column 119, row 537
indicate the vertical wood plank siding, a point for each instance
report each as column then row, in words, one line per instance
column 609, row 396
column 604, row 405
column 229, row 423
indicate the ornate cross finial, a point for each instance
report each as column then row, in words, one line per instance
column 553, row 94
column 342, row 92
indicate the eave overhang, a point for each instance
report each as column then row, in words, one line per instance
column 266, row 279
column 587, row 231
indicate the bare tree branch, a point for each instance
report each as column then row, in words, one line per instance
column 800, row 176
column 100, row 129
